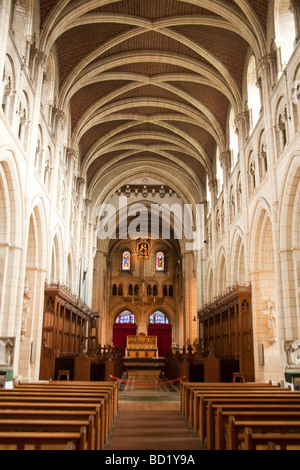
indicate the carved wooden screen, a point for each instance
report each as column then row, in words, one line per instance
column 67, row 323
column 226, row 327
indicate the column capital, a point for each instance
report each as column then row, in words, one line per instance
column 225, row 160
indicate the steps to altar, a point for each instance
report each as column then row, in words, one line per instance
column 144, row 363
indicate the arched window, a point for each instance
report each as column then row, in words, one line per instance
column 120, row 290
column 170, row 291
column 254, row 103
column 284, row 30
column 160, row 261
column 158, row 317
column 114, row 290
column 165, row 291
column 233, row 139
column 219, row 174
column 126, row 317
column 208, row 196
column 126, row 261
column 130, row 290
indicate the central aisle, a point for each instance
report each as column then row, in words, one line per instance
column 149, row 416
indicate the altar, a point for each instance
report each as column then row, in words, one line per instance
column 141, row 347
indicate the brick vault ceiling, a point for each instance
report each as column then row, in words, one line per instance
column 151, row 78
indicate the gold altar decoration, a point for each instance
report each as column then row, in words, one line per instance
column 141, row 347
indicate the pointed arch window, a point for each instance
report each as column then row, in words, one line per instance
column 158, row 318
column 126, row 317
column 160, row 261
column 126, row 261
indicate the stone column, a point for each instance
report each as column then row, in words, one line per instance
column 190, row 298
column 242, row 122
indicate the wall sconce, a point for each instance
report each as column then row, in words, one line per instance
column 194, row 319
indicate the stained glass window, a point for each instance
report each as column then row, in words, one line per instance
column 158, row 317
column 126, row 261
column 160, row 261
column 126, row 317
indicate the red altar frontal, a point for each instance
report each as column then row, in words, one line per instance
column 141, row 347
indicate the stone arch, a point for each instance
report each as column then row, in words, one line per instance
column 221, row 271
column 11, row 231
column 263, row 278
column 261, row 235
column 34, row 282
column 296, row 98
column 12, row 202
column 289, row 236
column 57, row 258
column 289, row 232
column 70, row 274
column 238, row 268
column 210, row 291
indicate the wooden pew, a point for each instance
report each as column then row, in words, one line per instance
column 197, row 399
column 271, row 441
column 218, row 418
column 64, row 392
column 30, row 424
column 112, row 386
column 91, row 418
column 287, row 397
column 195, row 393
column 215, row 393
column 236, row 436
column 107, row 390
column 99, row 399
column 44, row 440
column 58, row 405
column 61, row 392
column 187, row 390
column 57, row 410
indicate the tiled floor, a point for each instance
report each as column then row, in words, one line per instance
column 149, row 416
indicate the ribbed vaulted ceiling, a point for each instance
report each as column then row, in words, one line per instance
column 151, row 79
